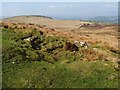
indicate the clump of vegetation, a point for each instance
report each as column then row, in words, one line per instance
column 34, row 46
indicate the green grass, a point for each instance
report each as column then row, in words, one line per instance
column 32, row 68
column 58, row 75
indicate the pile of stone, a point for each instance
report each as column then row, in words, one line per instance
column 81, row 44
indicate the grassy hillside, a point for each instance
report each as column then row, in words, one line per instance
column 35, row 58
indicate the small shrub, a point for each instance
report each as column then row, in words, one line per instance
column 34, row 56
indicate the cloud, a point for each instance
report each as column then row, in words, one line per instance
column 59, row 6
column 108, row 6
column 67, row 6
column 52, row 6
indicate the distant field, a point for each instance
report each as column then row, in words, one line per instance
column 41, row 53
column 50, row 23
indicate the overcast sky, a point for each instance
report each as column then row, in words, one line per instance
column 60, row 0
column 60, row 9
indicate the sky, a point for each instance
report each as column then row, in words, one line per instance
column 59, row 0
column 60, row 9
